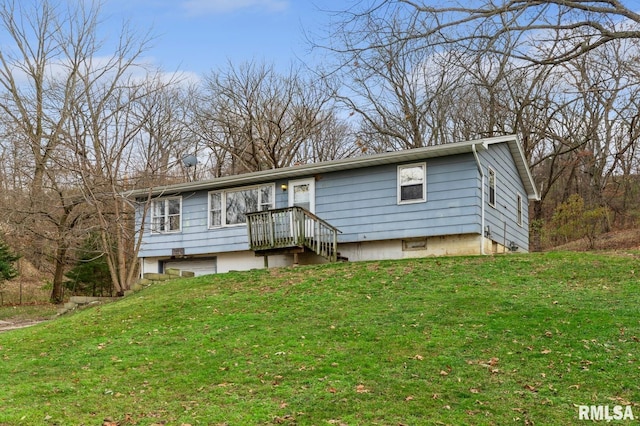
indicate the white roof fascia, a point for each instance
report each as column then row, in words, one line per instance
column 521, row 164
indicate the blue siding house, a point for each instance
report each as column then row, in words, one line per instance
column 455, row 199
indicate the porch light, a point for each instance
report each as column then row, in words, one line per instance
column 283, row 186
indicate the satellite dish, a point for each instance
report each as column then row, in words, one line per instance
column 189, row 160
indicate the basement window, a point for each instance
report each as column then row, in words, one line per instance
column 414, row 244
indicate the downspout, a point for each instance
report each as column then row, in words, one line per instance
column 475, row 154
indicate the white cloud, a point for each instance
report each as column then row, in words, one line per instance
column 199, row 7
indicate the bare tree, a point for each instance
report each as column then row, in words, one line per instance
column 394, row 83
column 258, row 119
column 565, row 29
column 166, row 114
column 117, row 112
column 49, row 80
column 38, row 78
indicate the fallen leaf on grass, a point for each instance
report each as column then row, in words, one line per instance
column 530, row 388
column 621, row 401
column 361, row 389
column 284, row 419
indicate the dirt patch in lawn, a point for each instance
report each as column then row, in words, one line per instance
column 14, row 325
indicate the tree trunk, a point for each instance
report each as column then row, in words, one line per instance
column 57, row 292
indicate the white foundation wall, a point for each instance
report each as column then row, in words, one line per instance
column 449, row 245
column 225, row 262
column 246, row 260
column 494, row 247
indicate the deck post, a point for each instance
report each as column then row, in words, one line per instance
column 272, row 236
column 334, row 253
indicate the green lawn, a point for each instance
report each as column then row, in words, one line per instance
column 514, row 339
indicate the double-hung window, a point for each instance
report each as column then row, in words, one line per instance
column 412, row 183
column 519, row 210
column 166, row 215
column 492, row 187
column 229, row 207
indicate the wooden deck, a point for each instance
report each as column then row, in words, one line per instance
column 291, row 230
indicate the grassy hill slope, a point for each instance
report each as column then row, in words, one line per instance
column 517, row 339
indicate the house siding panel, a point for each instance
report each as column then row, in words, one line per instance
column 363, row 203
column 196, row 237
column 504, row 215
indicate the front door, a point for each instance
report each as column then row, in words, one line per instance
column 302, row 193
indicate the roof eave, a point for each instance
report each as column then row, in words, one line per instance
column 349, row 163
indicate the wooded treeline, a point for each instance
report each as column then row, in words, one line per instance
column 85, row 119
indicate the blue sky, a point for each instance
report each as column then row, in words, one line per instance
column 196, row 36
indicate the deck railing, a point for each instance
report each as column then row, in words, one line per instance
column 292, row 227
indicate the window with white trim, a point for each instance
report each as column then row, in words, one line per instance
column 166, row 215
column 492, row 187
column 229, row 207
column 519, row 210
column 412, row 183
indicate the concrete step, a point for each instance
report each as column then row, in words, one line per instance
column 175, row 272
column 85, row 300
column 153, row 276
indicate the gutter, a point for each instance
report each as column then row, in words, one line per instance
column 482, row 220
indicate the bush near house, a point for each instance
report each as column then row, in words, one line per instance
column 7, row 266
column 572, row 221
column 90, row 276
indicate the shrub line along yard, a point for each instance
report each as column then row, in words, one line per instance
column 515, row 339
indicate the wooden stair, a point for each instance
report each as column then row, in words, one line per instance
column 292, row 230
